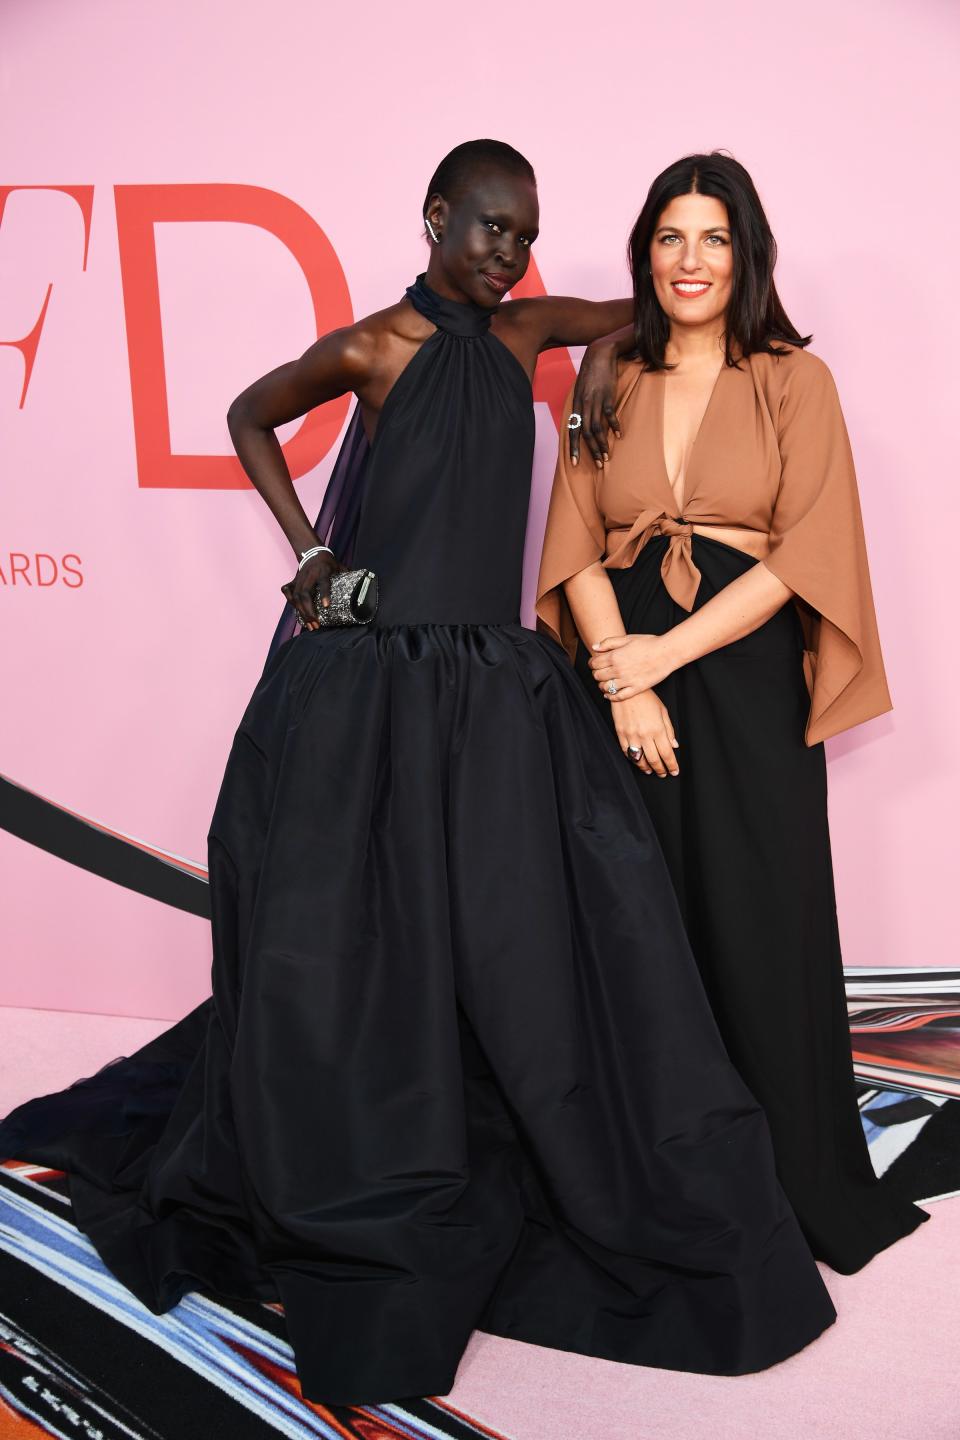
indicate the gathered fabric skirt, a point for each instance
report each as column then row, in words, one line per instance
column 458, row 1070
column 745, row 834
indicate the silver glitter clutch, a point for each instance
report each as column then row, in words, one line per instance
column 354, row 596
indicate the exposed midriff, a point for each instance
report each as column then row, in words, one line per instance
column 751, row 542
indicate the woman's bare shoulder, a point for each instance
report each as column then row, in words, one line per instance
column 374, row 342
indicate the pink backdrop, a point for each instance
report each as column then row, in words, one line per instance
column 121, row 693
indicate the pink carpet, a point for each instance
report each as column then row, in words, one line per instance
column 888, row 1370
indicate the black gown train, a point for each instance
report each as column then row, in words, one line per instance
column 458, row 1069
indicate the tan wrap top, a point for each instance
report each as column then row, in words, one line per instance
column 772, row 455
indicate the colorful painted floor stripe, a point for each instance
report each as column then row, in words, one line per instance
column 80, row 1357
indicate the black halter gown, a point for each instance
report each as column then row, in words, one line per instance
column 458, row 1069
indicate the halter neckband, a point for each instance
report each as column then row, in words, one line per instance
column 455, row 317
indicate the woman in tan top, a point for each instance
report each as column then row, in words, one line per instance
column 708, row 576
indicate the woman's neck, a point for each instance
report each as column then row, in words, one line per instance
column 436, row 278
column 695, row 344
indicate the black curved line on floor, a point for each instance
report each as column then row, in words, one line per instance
column 39, row 822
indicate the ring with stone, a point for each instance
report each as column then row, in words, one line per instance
column 634, row 751
column 611, row 687
column 575, row 421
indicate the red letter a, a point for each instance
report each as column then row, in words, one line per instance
column 555, row 371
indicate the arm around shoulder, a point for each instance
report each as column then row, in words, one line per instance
column 567, row 320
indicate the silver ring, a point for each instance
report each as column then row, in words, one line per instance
column 635, row 751
column 575, row 421
column 611, row 687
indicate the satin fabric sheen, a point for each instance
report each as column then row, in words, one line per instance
column 458, row 1069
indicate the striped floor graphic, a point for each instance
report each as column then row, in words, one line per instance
column 79, row 1357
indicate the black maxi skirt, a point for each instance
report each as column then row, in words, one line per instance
column 745, row 834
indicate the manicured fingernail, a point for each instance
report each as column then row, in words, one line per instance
column 676, row 744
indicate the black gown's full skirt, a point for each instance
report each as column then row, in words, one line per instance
column 458, row 1070
column 745, row 834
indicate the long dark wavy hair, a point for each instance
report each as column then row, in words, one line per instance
column 756, row 318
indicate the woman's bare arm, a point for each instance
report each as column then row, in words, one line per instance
column 593, row 605
column 337, row 363
column 643, row 727
column 636, row 662
column 342, row 361
column 566, row 320
column 737, row 610
column 545, row 322
column 595, row 394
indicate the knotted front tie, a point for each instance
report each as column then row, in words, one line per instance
column 681, row 578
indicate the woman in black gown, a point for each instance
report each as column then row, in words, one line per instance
column 458, row 1070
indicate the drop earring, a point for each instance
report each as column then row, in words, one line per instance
column 433, row 234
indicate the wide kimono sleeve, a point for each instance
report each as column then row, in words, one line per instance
column 575, row 537
column 818, row 549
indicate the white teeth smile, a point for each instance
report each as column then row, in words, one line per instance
column 687, row 287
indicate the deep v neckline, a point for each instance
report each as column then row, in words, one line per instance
column 678, row 507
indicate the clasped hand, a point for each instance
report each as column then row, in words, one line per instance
column 629, row 663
